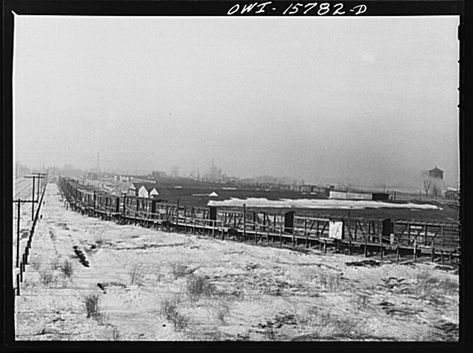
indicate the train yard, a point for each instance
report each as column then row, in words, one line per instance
column 440, row 241
column 144, row 282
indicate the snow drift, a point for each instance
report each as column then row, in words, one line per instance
column 318, row 203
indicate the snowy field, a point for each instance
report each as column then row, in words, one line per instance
column 143, row 284
column 319, row 204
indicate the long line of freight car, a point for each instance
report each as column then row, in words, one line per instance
column 351, row 234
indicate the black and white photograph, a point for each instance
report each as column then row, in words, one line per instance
column 236, row 178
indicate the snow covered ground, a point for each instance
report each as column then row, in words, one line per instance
column 318, row 203
column 153, row 285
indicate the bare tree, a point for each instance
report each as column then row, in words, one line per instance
column 436, row 192
column 174, row 172
column 427, row 184
column 427, row 181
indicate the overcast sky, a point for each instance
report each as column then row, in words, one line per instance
column 361, row 100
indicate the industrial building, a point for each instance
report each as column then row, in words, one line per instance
column 348, row 195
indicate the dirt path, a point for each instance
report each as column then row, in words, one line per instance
column 153, row 285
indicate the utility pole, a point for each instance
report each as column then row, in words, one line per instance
column 19, row 201
column 40, row 176
column 18, row 235
column 35, row 176
column 32, row 196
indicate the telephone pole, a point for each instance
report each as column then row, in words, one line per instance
column 35, row 176
column 32, row 195
column 18, row 235
column 40, row 177
column 19, row 201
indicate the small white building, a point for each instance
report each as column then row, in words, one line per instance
column 147, row 190
column 124, row 178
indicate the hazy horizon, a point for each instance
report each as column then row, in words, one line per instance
column 362, row 100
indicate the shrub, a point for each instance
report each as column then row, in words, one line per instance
column 55, row 264
column 449, row 285
column 198, row 286
column 169, row 311
column 168, row 306
column 67, row 269
column 46, row 277
column 330, row 281
column 99, row 240
column 179, row 270
column 431, row 287
column 322, row 324
column 103, row 319
column 136, row 274
column 360, row 302
column 349, row 328
column 35, row 262
column 92, row 306
column 270, row 334
column 222, row 311
column 115, row 334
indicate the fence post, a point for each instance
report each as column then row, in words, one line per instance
column 381, row 246
column 425, row 234
column 349, row 244
column 213, row 217
column 415, row 250
column 267, row 235
column 280, row 236
column 306, row 234
column 442, row 235
column 17, row 284
column 274, row 222
column 356, row 231
column 124, row 204
column 244, row 222
column 256, row 232
column 289, row 222
column 177, row 215
column 387, row 230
